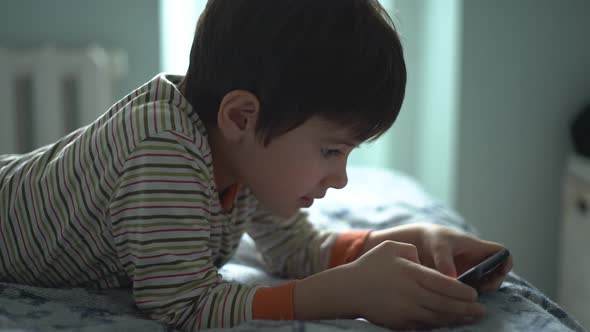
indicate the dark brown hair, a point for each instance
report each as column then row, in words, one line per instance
column 339, row 59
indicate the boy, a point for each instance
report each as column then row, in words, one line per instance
column 157, row 192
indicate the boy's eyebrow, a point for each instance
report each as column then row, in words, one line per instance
column 336, row 140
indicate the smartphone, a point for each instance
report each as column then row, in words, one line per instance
column 475, row 274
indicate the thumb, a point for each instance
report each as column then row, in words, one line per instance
column 443, row 262
column 403, row 250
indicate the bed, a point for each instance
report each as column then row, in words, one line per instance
column 374, row 198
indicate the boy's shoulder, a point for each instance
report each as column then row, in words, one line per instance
column 154, row 108
column 155, row 115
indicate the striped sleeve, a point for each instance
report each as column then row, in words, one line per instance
column 293, row 248
column 159, row 224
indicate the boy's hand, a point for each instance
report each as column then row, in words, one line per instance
column 448, row 251
column 452, row 252
column 389, row 287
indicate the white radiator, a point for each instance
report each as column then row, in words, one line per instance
column 48, row 92
column 574, row 273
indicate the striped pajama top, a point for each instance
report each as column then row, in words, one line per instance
column 130, row 200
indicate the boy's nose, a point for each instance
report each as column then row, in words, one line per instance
column 337, row 179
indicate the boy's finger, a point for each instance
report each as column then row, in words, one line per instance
column 428, row 319
column 403, row 250
column 481, row 249
column 448, row 306
column 491, row 285
column 443, row 262
column 507, row 266
column 439, row 283
column 493, row 281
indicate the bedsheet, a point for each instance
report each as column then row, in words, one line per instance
column 373, row 199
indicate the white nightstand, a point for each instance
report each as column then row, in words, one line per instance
column 574, row 263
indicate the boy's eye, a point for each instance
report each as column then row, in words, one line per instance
column 327, row 153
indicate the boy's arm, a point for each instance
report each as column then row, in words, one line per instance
column 293, row 248
column 161, row 236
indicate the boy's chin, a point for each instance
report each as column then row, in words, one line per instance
column 286, row 212
column 282, row 209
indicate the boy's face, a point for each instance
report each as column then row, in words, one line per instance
column 296, row 167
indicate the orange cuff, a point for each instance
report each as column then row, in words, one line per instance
column 274, row 303
column 347, row 247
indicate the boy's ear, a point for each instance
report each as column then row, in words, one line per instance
column 237, row 114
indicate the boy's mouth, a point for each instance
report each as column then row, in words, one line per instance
column 306, row 201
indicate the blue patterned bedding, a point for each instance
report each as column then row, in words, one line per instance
column 373, row 199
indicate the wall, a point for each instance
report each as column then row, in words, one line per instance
column 491, row 90
column 525, row 71
column 422, row 141
column 132, row 25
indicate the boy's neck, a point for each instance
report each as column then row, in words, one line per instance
column 223, row 175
